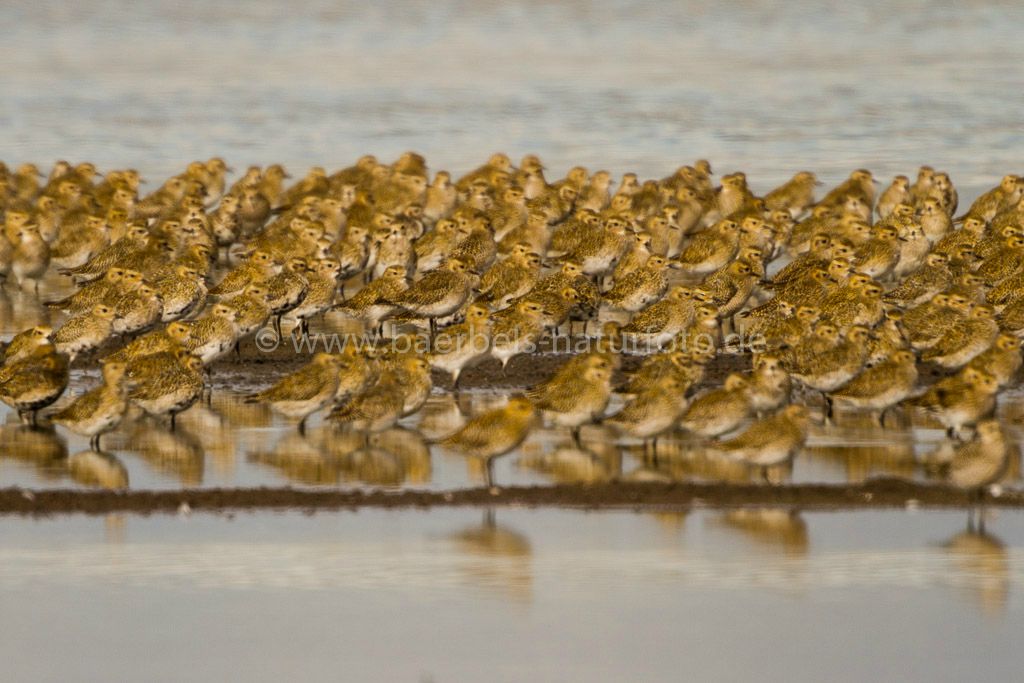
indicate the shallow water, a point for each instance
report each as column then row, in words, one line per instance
column 232, row 443
column 767, row 87
column 511, row 595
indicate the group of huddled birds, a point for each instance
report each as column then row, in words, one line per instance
column 889, row 303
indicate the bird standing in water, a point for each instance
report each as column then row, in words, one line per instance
column 494, row 433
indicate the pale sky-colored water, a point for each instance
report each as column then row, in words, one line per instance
column 451, row 595
column 766, row 87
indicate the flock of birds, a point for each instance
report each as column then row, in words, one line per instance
column 872, row 289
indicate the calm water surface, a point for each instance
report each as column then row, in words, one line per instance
column 766, row 87
column 457, row 595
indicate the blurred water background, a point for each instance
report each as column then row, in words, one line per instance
column 762, row 86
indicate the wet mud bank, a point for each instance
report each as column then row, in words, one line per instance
column 874, row 493
column 258, row 367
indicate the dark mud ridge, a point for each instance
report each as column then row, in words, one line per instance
column 875, row 493
column 522, row 371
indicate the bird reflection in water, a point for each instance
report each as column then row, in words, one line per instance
column 860, row 460
column 597, row 461
column 409, row 449
column 115, row 528
column 177, row 454
column 98, row 470
column 219, row 436
column 685, row 460
column 326, row 456
column 371, row 465
column 387, row 458
column 498, row 558
column 238, row 414
column 775, row 528
column 440, row 416
column 299, row 459
column 41, row 447
column 671, row 522
column 984, row 565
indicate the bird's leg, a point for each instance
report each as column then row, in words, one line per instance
column 828, row 407
column 576, row 437
column 173, row 421
column 433, row 330
column 764, row 474
column 94, row 443
column 881, row 417
column 302, row 426
column 34, row 421
column 488, row 472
